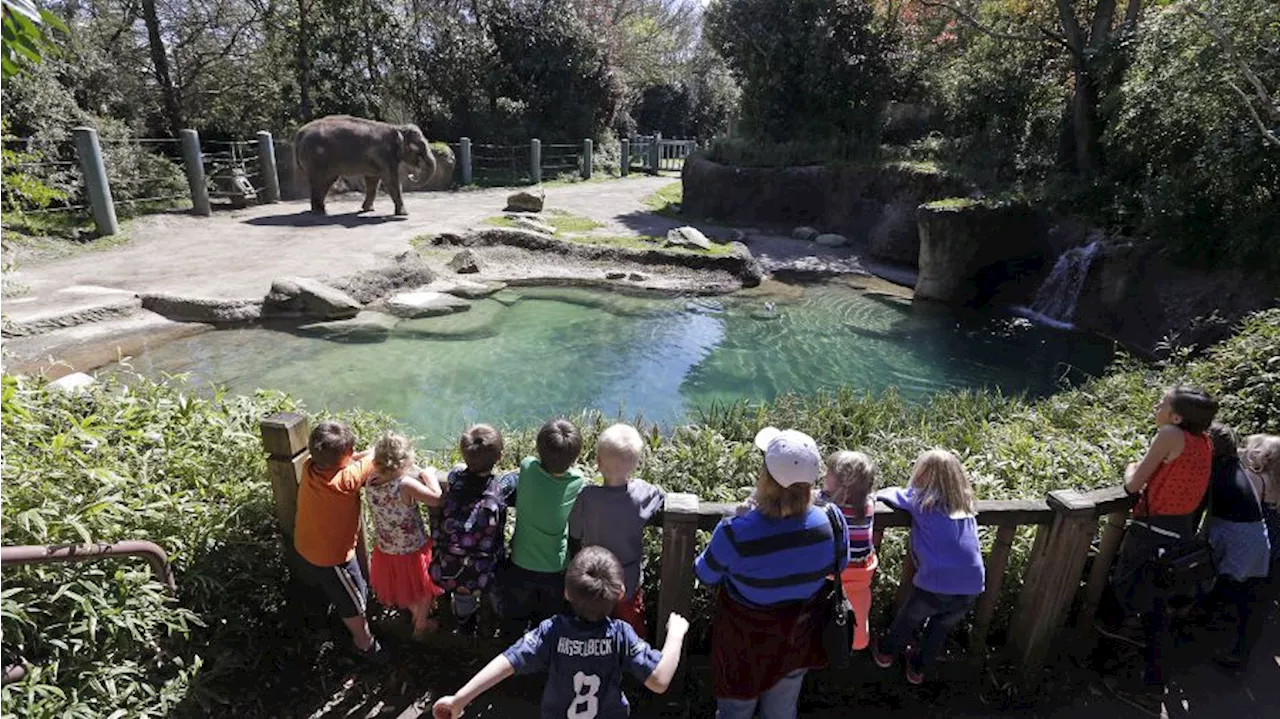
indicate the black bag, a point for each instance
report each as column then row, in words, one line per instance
column 837, row 637
column 1184, row 565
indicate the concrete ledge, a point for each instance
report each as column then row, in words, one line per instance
column 55, row 320
column 203, row 309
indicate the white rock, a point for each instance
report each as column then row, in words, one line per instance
column 425, row 303
column 688, row 237
column 366, row 324
column 529, row 223
column 467, row 289
column 72, row 383
column 832, row 240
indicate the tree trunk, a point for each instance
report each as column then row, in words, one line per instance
column 160, row 62
column 1084, row 98
column 304, row 62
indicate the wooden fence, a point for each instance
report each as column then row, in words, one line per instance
column 1066, row 525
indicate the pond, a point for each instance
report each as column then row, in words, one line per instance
column 531, row 353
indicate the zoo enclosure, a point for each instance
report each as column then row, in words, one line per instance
column 1067, row 569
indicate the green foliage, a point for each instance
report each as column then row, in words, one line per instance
column 809, row 69
column 24, row 38
column 22, row 186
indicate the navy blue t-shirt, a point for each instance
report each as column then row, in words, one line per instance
column 584, row 662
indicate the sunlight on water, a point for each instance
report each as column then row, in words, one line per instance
column 538, row 352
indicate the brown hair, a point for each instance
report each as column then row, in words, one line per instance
column 776, row 501
column 392, row 455
column 1224, row 441
column 329, row 443
column 855, row 475
column 941, row 484
column 593, row 583
column 481, row 447
column 1196, row 408
column 558, row 445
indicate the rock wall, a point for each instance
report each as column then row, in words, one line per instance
column 1136, row 296
column 970, row 251
column 872, row 205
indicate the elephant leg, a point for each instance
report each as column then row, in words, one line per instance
column 370, row 192
column 320, row 185
column 393, row 188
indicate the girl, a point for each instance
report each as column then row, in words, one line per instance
column 850, row 479
column 1261, row 455
column 398, row 569
column 944, row 546
column 1241, row 550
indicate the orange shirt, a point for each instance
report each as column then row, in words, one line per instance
column 329, row 511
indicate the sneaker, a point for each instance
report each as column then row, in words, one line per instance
column 911, row 667
column 882, row 660
column 1122, row 633
column 376, row 654
column 468, row 626
column 1144, row 697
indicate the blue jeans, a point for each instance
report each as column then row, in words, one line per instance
column 777, row 702
column 942, row 612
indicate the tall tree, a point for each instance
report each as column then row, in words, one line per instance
column 160, row 67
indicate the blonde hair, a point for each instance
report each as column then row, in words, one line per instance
column 1261, row 455
column 392, row 455
column 941, row 484
column 776, row 501
column 855, row 476
column 618, row 450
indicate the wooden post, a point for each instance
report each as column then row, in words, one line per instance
column 586, row 159
column 997, row 560
column 95, row 180
column 535, row 160
column 679, row 547
column 1112, row 534
column 624, row 166
column 1052, row 577
column 464, row 159
column 284, row 437
column 655, row 153
column 267, row 166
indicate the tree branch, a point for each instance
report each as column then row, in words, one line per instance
column 968, row 18
column 1261, row 94
column 1267, row 134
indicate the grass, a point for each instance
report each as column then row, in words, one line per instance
column 667, row 200
column 576, row 228
column 562, row 221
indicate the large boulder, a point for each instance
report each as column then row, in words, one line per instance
column 689, row 237
column 969, row 249
column 467, row 289
column 202, row 309
column 425, row 303
column 408, row 269
column 465, row 262
column 305, row 297
column 804, row 233
column 526, row 201
column 831, row 240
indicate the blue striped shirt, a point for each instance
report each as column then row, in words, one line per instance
column 766, row 562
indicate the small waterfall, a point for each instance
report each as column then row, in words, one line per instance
column 1055, row 301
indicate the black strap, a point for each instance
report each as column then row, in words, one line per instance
column 835, row 539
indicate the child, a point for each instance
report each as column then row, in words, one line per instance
column 398, row 568
column 471, row 532
column 1238, row 535
column 850, row 479
column 328, row 519
column 613, row 516
column 944, row 546
column 1170, row 482
column 533, row 586
column 1261, row 455
column 583, row 653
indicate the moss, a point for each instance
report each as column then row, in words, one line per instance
column 563, row 221
column 422, row 242
column 953, row 203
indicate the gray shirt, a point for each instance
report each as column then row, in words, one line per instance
column 614, row 518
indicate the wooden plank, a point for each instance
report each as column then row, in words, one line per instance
column 997, row 560
column 1112, row 533
column 285, row 475
column 679, row 548
column 284, row 435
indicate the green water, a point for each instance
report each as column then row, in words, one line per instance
column 538, row 352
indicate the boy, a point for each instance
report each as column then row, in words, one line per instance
column 470, row 532
column 533, row 585
column 584, row 653
column 327, row 521
column 613, row 516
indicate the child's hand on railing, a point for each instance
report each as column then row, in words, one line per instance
column 677, row 624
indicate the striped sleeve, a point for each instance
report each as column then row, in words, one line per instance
column 712, row 566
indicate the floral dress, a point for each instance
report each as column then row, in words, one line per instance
column 399, row 567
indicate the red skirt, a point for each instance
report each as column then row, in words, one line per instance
column 401, row 580
column 752, row 648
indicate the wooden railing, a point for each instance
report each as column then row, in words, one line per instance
column 1066, row 522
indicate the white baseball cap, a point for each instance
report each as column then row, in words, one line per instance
column 792, row 457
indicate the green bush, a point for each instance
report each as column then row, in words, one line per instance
column 151, row 460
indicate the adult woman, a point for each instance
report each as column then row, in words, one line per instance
column 771, row 564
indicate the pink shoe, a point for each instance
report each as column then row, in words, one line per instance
column 914, row 676
column 882, row 660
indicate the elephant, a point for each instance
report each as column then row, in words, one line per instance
column 337, row 145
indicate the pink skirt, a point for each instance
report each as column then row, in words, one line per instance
column 402, row 580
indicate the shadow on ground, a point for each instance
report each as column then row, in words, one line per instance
column 305, row 218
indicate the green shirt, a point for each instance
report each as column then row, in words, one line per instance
column 543, row 503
